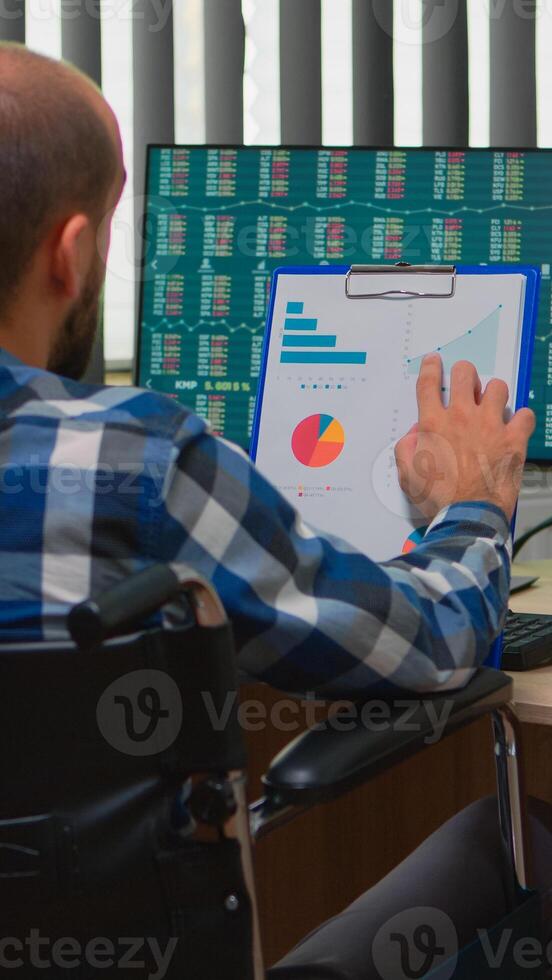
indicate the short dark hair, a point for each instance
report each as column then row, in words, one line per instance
column 56, row 153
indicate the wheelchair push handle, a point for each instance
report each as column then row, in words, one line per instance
column 125, row 605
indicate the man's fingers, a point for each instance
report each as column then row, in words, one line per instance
column 405, row 450
column 496, row 396
column 522, row 425
column 465, row 384
column 429, row 386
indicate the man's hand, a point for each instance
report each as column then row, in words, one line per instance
column 466, row 451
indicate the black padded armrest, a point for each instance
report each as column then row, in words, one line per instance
column 332, row 758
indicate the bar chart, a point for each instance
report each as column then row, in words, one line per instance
column 302, row 332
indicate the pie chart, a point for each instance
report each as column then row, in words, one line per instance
column 413, row 540
column 317, row 440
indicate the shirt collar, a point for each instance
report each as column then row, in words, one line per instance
column 11, row 361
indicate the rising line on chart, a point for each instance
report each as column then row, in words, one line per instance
column 479, row 344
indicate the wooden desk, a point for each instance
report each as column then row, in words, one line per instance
column 533, row 688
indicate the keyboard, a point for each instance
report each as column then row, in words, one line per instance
column 527, row 641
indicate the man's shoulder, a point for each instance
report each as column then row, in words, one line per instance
column 49, row 396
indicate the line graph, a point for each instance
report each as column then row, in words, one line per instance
column 163, row 206
column 205, row 324
column 478, row 344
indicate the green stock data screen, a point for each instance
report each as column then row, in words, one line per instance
column 220, row 220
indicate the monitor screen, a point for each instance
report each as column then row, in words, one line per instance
column 220, row 220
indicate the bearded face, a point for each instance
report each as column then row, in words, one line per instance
column 71, row 352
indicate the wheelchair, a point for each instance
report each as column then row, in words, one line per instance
column 125, row 837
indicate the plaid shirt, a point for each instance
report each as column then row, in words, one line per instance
column 98, row 482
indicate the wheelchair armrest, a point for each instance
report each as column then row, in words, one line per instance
column 127, row 603
column 347, row 750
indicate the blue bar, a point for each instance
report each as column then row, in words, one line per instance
column 319, row 340
column 321, row 357
column 302, row 324
column 295, row 307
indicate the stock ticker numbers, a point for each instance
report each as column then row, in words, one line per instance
column 220, row 220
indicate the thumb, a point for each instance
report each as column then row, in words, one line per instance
column 522, row 424
column 405, row 450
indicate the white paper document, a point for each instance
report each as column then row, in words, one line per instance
column 340, row 390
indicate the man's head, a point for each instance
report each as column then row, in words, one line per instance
column 61, row 174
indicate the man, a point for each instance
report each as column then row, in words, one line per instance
column 98, row 482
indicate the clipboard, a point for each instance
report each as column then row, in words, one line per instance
column 341, row 354
column 443, row 275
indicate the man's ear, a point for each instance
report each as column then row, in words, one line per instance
column 72, row 255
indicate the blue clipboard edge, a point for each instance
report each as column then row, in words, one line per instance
column 533, row 276
column 528, row 328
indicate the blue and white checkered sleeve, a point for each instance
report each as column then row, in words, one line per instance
column 313, row 614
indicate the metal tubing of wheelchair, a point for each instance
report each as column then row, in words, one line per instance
column 267, row 814
column 511, row 795
column 243, row 834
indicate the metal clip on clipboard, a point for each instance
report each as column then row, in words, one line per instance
column 401, row 269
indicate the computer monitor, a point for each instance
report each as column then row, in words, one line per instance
column 219, row 220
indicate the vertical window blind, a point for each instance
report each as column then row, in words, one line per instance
column 372, row 72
